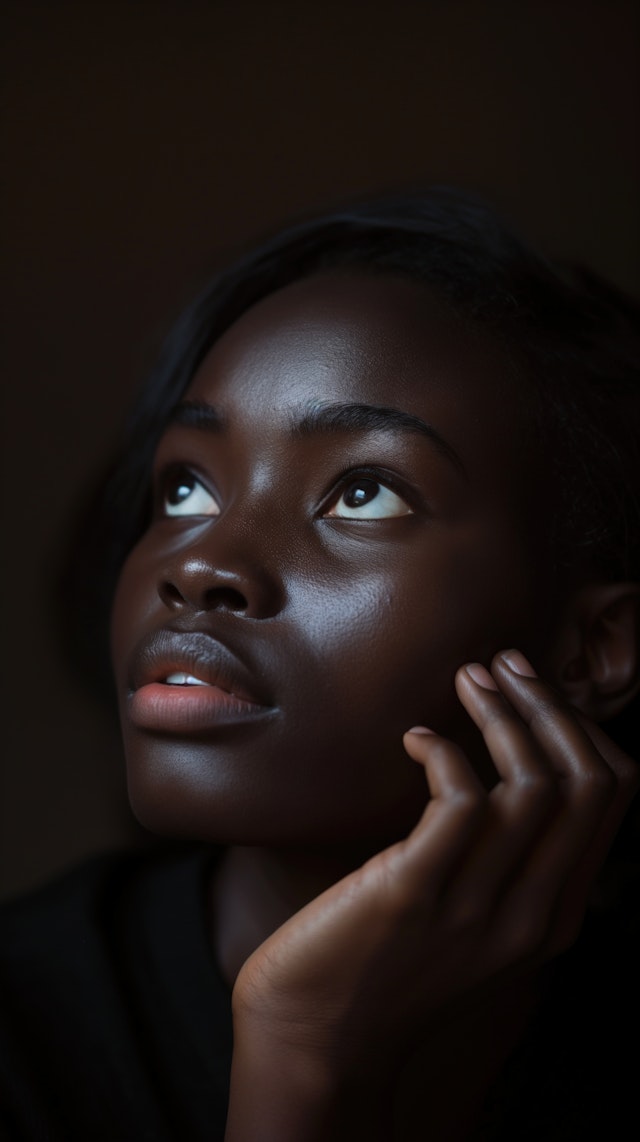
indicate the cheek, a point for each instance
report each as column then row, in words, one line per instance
column 387, row 645
column 134, row 606
column 358, row 655
column 381, row 653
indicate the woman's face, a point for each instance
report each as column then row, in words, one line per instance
column 344, row 514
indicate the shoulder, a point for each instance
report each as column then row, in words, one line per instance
column 106, row 982
column 43, row 932
column 84, row 921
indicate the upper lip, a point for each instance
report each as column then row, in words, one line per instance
column 195, row 652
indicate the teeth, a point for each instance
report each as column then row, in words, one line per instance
column 180, row 679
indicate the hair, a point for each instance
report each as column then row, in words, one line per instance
column 577, row 337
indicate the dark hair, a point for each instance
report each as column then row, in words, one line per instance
column 576, row 336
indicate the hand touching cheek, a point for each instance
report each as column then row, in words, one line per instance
column 487, row 885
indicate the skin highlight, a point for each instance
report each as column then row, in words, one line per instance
column 349, row 629
column 373, row 615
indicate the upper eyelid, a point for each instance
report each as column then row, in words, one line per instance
column 401, row 486
column 352, row 478
column 332, row 511
column 164, row 471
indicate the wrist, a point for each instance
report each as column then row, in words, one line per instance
column 285, row 1090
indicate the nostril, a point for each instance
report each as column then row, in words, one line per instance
column 225, row 599
column 208, row 599
column 170, row 594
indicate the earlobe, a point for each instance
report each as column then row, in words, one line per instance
column 597, row 653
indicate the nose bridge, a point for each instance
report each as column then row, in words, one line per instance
column 232, row 561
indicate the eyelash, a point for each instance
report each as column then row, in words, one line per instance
column 386, row 479
column 176, row 471
column 168, row 478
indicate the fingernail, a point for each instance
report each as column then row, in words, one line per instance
column 518, row 663
column 420, row 730
column 480, row 675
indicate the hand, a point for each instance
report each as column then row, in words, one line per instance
column 488, row 883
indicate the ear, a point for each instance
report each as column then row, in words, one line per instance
column 596, row 658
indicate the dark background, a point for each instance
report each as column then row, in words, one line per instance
column 146, row 142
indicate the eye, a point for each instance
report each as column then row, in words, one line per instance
column 181, row 494
column 365, row 498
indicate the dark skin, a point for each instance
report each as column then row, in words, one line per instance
column 357, row 568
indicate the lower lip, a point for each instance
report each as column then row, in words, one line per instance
column 172, row 709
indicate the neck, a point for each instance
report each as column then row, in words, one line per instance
column 257, row 889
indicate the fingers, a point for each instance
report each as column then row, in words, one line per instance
column 627, row 773
column 524, row 855
column 553, row 723
column 452, row 818
column 522, row 802
column 536, row 740
column 552, row 870
column 596, row 778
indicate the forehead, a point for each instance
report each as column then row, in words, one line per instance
column 348, row 336
column 349, row 328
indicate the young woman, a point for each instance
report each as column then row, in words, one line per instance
column 370, row 557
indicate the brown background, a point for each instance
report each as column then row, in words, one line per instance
column 145, row 142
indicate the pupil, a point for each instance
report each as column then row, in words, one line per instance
column 182, row 488
column 361, row 493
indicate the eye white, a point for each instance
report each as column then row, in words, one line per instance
column 368, row 499
column 186, row 496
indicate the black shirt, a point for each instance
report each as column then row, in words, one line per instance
column 116, row 1022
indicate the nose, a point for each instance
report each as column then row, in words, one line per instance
column 214, row 576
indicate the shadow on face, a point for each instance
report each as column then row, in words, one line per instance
column 348, row 505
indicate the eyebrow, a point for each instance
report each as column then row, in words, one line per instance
column 344, row 417
column 323, row 416
column 197, row 414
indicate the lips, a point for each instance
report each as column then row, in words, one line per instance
column 189, row 681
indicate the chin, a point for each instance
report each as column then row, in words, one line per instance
column 176, row 811
column 254, row 796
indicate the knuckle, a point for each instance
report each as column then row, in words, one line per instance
column 405, row 899
column 468, row 804
column 399, row 891
column 539, row 787
column 399, row 899
column 598, row 784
